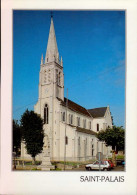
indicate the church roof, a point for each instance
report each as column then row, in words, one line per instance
column 87, row 131
column 83, row 130
column 75, row 107
column 97, row 112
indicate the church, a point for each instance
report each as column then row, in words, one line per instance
column 71, row 128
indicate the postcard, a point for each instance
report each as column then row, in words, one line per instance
column 68, row 98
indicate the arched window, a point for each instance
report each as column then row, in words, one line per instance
column 63, row 116
column 78, row 121
column 97, row 127
column 59, row 78
column 66, row 140
column 89, row 124
column 84, row 123
column 46, row 114
column 71, row 120
column 92, row 149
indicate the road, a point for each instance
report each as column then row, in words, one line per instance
column 118, row 168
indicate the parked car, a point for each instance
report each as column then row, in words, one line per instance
column 111, row 163
column 104, row 166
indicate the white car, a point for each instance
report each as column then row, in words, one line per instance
column 104, row 166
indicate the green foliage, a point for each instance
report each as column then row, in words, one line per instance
column 113, row 137
column 16, row 137
column 32, row 131
column 30, row 163
column 120, row 157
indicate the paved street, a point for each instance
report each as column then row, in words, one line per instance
column 118, row 168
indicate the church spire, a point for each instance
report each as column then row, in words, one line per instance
column 52, row 53
column 41, row 59
column 61, row 61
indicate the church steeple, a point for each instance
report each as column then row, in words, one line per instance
column 52, row 53
column 42, row 59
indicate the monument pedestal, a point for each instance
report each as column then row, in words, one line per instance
column 46, row 164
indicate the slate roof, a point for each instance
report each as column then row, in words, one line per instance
column 75, row 107
column 87, row 131
column 97, row 112
column 83, row 130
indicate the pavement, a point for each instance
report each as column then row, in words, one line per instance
column 117, row 168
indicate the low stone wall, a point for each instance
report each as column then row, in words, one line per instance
column 26, row 167
column 61, row 166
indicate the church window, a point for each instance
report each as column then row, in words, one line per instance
column 97, row 127
column 89, row 124
column 47, row 59
column 46, row 114
column 63, row 117
column 92, row 149
column 84, row 123
column 78, row 121
column 71, row 119
column 59, row 78
column 66, row 140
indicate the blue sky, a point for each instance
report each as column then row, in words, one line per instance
column 92, row 44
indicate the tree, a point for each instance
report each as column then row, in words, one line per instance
column 33, row 134
column 16, row 137
column 113, row 137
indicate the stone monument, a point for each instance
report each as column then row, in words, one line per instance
column 46, row 163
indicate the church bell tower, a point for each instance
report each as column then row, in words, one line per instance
column 51, row 85
column 51, row 78
column 51, row 73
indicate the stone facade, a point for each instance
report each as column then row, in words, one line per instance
column 64, row 120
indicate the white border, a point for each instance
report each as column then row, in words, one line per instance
column 67, row 182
